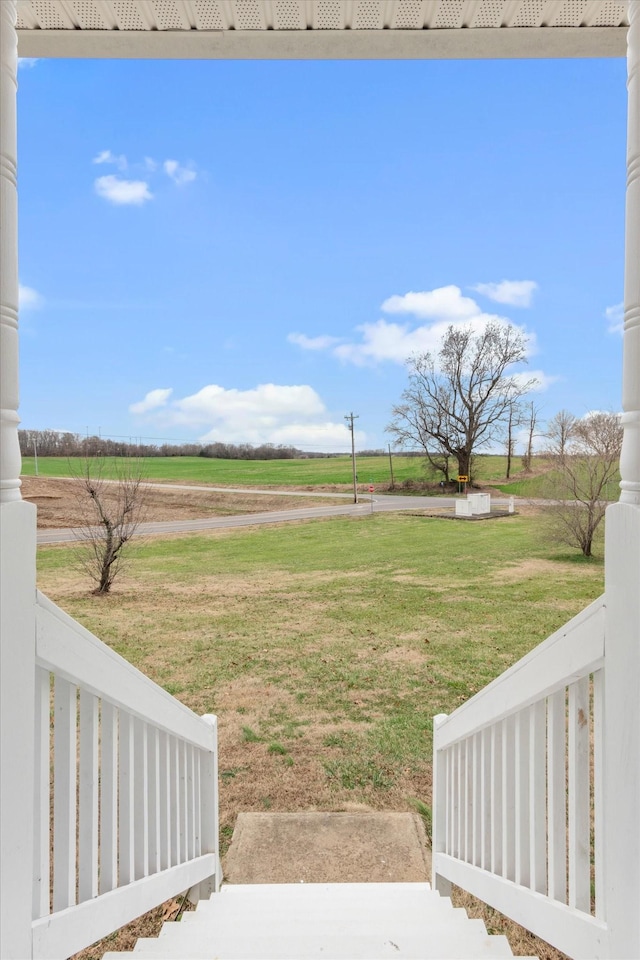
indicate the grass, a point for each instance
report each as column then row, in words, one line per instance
column 318, row 471
column 326, row 648
column 336, row 641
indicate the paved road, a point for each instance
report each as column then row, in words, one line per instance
column 379, row 504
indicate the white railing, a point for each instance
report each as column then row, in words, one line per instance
column 126, row 799
column 517, row 795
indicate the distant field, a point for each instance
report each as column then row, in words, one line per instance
column 322, row 471
column 261, row 473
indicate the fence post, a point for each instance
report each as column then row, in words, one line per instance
column 209, row 805
column 438, row 810
column 621, row 733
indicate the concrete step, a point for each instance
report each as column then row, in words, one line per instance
column 332, row 921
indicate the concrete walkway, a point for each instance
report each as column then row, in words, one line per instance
column 328, row 848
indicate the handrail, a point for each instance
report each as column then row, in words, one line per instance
column 71, row 651
column 517, row 794
column 132, row 791
column 573, row 651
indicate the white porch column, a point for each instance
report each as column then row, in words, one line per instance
column 630, row 460
column 17, row 556
column 621, row 793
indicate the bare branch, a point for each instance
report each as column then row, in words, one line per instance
column 460, row 400
column 113, row 510
column 586, row 456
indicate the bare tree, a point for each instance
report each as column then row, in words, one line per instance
column 458, row 399
column 514, row 420
column 560, row 431
column 531, row 421
column 112, row 510
column 586, row 464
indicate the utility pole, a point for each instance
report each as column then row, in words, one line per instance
column 391, row 468
column 35, row 454
column 350, row 417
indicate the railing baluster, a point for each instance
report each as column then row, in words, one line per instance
column 464, row 748
column 486, row 789
column 108, row 797
column 537, row 798
column 557, row 796
column 141, row 799
column 448, row 800
column 194, row 810
column 508, row 799
column 188, row 790
column 164, row 769
column 598, row 785
column 476, row 818
column 42, row 794
column 88, row 798
column 174, row 803
column 197, row 755
column 522, row 797
column 459, row 801
column 495, row 811
column 579, row 836
column 126, row 794
column 64, row 806
column 184, row 802
column 153, row 788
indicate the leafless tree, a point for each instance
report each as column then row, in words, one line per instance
column 586, row 463
column 531, row 420
column 459, row 398
column 513, row 421
column 560, row 430
column 112, row 510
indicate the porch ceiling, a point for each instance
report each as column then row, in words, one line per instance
column 322, row 28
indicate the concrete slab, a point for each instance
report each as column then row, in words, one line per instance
column 328, row 848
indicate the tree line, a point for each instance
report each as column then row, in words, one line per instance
column 55, row 443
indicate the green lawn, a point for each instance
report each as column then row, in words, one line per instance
column 327, row 647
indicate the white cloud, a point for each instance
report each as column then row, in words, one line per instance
column 516, row 293
column 26, row 63
column 150, row 164
column 615, row 318
column 439, row 304
column 390, row 341
column 106, row 156
column 327, row 436
column 153, row 400
column 384, row 340
column 268, row 413
column 28, row 298
column 312, row 343
column 179, row 174
column 123, row 192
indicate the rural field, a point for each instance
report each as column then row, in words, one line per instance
column 326, row 647
column 321, row 471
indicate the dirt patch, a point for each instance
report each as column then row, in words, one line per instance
column 528, row 569
column 60, row 504
column 404, row 655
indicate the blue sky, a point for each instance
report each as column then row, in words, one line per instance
column 247, row 251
